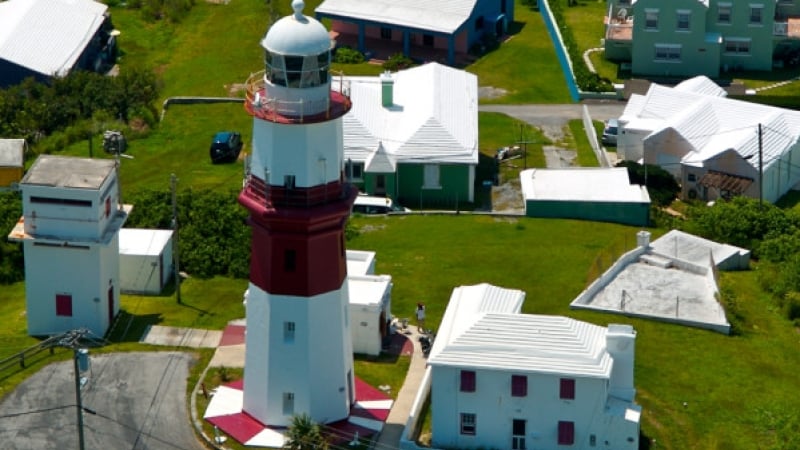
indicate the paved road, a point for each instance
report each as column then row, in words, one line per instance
column 558, row 115
column 140, row 400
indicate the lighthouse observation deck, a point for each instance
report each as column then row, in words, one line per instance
column 261, row 104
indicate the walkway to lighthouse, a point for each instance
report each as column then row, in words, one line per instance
column 373, row 412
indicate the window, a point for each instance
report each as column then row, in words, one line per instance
column 355, row 171
column 567, row 389
column 288, row 403
column 61, row 201
column 756, row 13
column 64, row 305
column 518, row 434
column 479, row 23
column 737, row 46
column 108, row 205
column 519, row 385
column 668, row 52
column 592, row 440
column 288, row 332
column 289, row 260
column 566, row 432
column 683, row 20
column 386, row 33
column 724, row 13
column 427, row 40
column 431, row 180
column 468, row 423
column 651, row 19
column 692, row 177
column 467, row 381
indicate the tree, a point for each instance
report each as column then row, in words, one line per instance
column 304, row 434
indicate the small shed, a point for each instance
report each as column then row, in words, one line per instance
column 370, row 311
column 599, row 194
column 145, row 260
column 12, row 161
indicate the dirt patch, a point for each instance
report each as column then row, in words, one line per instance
column 235, row 88
column 507, row 198
column 489, row 92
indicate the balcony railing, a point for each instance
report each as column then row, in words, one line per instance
column 260, row 103
column 271, row 196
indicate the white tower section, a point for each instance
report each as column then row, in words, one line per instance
column 299, row 353
column 70, row 234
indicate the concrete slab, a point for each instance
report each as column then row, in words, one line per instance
column 181, row 337
column 228, row 356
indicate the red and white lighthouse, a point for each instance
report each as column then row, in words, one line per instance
column 298, row 347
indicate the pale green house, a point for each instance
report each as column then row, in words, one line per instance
column 413, row 136
column 685, row 38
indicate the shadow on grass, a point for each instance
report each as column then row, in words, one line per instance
column 130, row 327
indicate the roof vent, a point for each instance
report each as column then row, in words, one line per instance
column 387, row 89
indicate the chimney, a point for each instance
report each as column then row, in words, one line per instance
column 387, row 89
column 621, row 344
column 643, row 239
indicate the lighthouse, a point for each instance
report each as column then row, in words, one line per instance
column 298, row 357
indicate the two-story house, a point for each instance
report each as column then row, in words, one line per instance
column 522, row 381
column 684, row 38
column 70, row 234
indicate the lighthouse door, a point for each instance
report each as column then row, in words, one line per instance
column 380, row 184
column 350, row 398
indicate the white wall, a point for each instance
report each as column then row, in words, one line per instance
column 298, row 150
column 495, row 408
column 313, row 367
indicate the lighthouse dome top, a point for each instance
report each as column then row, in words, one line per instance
column 297, row 34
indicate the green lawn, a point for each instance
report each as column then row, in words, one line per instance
column 586, row 155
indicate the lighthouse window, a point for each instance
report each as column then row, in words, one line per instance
column 288, row 403
column 288, row 332
column 294, row 70
column 323, row 61
column 288, row 181
column 289, row 260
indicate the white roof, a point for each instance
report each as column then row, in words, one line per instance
column 468, row 303
column 712, row 124
column 444, row 16
column 359, row 262
column 144, row 242
column 368, row 290
column 530, row 343
column 581, row 184
column 434, row 118
column 48, row 36
column 688, row 247
column 701, row 85
column 12, row 152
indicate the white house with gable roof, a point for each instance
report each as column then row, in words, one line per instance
column 413, row 135
column 715, row 146
column 501, row 379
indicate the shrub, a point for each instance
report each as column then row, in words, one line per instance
column 347, row 55
column 12, row 266
column 398, row 61
column 660, row 184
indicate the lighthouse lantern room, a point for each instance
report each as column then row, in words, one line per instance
column 298, row 347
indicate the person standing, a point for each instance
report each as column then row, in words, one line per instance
column 421, row 317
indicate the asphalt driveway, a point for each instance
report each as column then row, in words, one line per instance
column 139, row 398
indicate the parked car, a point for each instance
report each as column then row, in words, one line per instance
column 366, row 204
column 225, row 147
column 610, row 132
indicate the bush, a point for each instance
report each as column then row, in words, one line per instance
column 347, row 55
column 661, row 185
column 398, row 61
column 12, row 265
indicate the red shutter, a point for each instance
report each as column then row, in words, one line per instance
column 64, row 305
column 467, row 381
column 566, row 433
column 519, row 385
column 567, row 388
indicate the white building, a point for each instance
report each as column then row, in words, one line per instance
column 599, row 194
column 70, row 232
column 370, row 304
column 521, row 381
column 145, row 260
column 715, row 146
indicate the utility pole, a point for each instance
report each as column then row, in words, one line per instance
column 71, row 339
column 760, row 168
column 173, row 183
column 524, row 144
